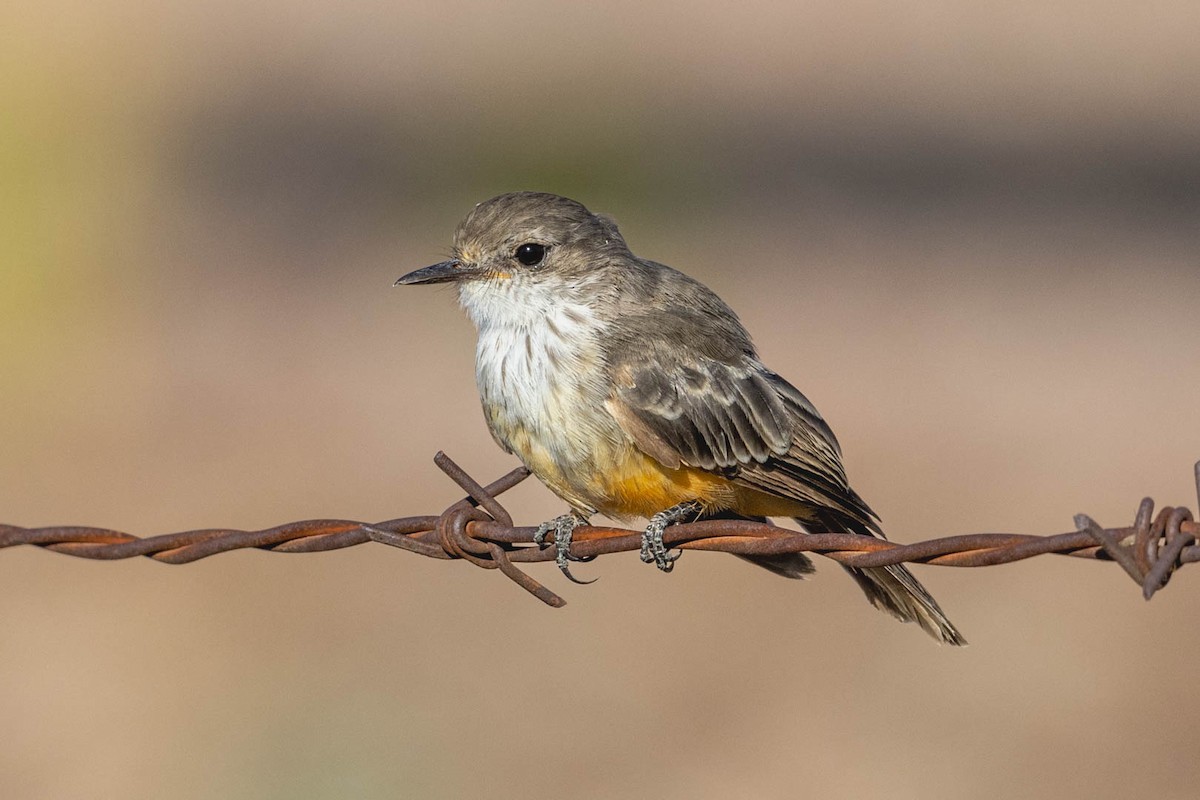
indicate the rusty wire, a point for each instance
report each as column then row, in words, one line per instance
column 479, row 530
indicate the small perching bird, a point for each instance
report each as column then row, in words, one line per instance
column 631, row 389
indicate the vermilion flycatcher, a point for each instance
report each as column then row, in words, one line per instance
column 631, row 389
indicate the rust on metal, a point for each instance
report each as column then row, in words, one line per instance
column 480, row 530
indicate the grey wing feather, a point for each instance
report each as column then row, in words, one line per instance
column 740, row 419
column 712, row 415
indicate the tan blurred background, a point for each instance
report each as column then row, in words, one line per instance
column 970, row 235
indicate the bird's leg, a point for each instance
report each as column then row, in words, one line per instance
column 653, row 548
column 563, row 526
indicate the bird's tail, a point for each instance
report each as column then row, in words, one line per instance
column 788, row 565
column 893, row 588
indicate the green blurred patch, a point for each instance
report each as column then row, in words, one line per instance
column 71, row 200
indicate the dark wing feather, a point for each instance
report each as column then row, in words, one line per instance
column 711, row 415
column 740, row 419
column 813, row 468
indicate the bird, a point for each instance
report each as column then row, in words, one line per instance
column 632, row 390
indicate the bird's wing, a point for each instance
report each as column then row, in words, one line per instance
column 701, row 413
column 739, row 419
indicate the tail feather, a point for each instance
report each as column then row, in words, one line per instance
column 892, row 589
column 788, row 565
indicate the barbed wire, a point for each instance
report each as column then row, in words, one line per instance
column 478, row 529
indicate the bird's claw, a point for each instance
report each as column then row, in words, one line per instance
column 563, row 526
column 653, row 549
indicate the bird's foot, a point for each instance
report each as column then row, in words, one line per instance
column 653, row 549
column 563, row 527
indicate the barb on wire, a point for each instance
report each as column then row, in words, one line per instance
column 479, row 530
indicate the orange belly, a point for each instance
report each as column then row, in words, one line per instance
column 640, row 486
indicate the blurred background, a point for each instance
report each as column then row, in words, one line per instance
column 970, row 235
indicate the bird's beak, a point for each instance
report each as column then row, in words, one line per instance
column 452, row 270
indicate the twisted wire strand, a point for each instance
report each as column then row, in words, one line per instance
column 480, row 530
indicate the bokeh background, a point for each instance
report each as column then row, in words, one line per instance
column 971, row 233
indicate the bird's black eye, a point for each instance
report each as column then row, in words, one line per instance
column 530, row 254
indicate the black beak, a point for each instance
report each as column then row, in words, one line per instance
column 451, row 270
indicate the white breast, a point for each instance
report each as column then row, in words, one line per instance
column 538, row 368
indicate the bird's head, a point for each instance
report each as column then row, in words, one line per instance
column 526, row 241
